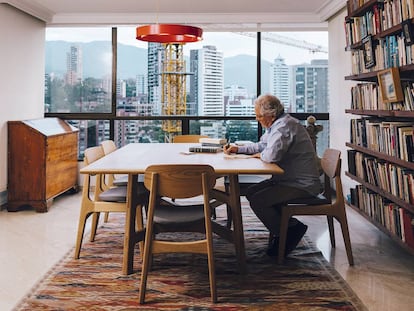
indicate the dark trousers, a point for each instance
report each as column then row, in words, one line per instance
column 267, row 197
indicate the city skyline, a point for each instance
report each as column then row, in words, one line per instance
column 230, row 43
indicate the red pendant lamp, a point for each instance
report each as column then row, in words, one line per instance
column 169, row 33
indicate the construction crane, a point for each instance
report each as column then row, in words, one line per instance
column 272, row 37
column 173, row 90
column 173, row 77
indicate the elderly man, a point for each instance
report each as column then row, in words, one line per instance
column 286, row 143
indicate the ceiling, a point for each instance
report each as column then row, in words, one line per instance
column 213, row 15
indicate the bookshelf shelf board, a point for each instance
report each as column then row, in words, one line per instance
column 409, row 207
column 365, row 77
column 395, row 160
column 376, row 113
column 362, row 9
column 382, row 228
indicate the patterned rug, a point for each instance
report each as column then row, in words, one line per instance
column 305, row 281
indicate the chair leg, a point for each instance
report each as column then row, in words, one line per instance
column 106, row 219
column 147, row 256
column 140, row 226
column 94, row 227
column 282, row 236
column 211, row 271
column 331, row 231
column 81, row 230
column 347, row 240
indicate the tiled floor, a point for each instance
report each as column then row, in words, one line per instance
column 31, row 243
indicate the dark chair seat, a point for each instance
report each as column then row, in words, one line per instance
column 318, row 200
column 119, row 194
column 123, row 180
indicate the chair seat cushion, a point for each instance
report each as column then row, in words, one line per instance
column 318, row 200
column 175, row 215
column 115, row 194
column 123, row 180
column 119, row 194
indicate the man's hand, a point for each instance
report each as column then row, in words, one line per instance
column 230, row 149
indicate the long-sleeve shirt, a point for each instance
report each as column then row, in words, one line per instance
column 288, row 144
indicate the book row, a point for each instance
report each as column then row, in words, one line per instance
column 395, row 139
column 384, row 175
column 394, row 218
column 391, row 51
column 382, row 16
column 367, row 96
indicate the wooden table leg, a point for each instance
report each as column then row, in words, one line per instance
column 129, row 240
column 238, row 234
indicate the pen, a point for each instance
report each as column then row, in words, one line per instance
column 228, row 144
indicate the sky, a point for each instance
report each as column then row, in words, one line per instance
column 230, row 44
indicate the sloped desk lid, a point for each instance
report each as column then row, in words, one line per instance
column 50, row 126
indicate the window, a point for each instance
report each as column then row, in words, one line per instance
column 161, row 90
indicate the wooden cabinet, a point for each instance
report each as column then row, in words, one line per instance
column 380, row 158
column 42, row 162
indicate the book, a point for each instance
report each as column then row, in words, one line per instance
column 213, row 141
column 407, row 226
column 204, row 149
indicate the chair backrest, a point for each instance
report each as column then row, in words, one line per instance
column 179, row 180
column 188, row 138
column 92, row 154
column 331, row 166
column 108, row 146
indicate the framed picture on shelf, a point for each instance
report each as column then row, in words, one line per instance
column 390, row 85
column 408, row 32
column 369, row 55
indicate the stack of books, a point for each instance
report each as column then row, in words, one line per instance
column 213, row 142
column 209, row 145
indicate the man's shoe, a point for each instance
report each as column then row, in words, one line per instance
column 273, row 249
column 294, row 235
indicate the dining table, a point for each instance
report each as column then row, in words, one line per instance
column 133, row 159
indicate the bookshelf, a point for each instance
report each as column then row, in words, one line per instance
column 380, row 40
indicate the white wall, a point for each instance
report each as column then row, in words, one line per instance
column 339, row 92
column 22, row 80
column 22, row 68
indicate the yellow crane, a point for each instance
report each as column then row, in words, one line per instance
column 173, row 88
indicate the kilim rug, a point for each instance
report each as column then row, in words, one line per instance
column 305, row 281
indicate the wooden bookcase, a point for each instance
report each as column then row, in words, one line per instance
column 42, row 162
column 379, row 37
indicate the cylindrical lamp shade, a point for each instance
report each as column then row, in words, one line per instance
column 169, row 33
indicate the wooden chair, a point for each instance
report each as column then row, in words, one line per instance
column 181, row 182
column 331, row 203
column 109, row 200
column 188, row 138
column 111, row 180
column 195, row 139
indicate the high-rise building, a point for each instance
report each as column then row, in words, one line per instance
column 279, row 82
column 310, row 86
column 310, row 93
column 155, row 56
column 74, row 72
column 207, row 80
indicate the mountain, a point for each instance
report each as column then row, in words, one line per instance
column 238, row 70
column 241, row 70
column 131, row 60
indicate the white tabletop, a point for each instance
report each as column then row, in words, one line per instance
column 134, row 158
